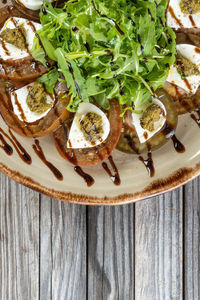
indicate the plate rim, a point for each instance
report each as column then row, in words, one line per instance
column 157, row 187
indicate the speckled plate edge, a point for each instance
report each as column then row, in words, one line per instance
column 157, row 187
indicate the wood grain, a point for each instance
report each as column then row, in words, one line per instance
column 63, row 250
column 158, row 248
column 111, row 252
column 51, row 250
column 19, row 241
column 192, row 240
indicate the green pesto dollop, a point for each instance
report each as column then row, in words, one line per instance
column 186, row 67
column 150, row 116
column 190, row 6
column 37, row 99
column 92, row 127
column 15, row 36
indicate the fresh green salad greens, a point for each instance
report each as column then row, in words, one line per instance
column 107, row 49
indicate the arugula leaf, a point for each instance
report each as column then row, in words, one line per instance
column 37, row 52
column 47, row 45
column 102, row 101
column 108, row 48
column 49, row 80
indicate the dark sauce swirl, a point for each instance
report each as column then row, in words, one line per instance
column 114, row 177
column 38, row 150
column 88, row 179
column 178, row 146
column 5, row 146
column 23, row 154
column 148, row 163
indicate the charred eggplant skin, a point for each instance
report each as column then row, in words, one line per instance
column 129, row 142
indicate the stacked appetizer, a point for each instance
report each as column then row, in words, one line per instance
column 99, row 75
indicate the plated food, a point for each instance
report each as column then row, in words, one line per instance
column 99, row 76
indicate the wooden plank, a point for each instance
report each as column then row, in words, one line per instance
column 19, row 241
column 158, row 247
column 111, row 252
column 46, row 261
column 192, row 240
column 63, row 250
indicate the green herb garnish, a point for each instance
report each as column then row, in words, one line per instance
column 49, row 80
column 108, row 49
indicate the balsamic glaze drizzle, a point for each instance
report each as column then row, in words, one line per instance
column 192, row 21
column 132, row 22
column 178, row 146
column 38, row 150
column 172, row 13
column 87, row 46
column 131, row 143
column 148, row 163
column 44, row 11
column 23, row 154
column 88, row 179
column 75, row 82
column 74, row 29
column 112, row 56
column 150, row 14
column 5, row 146
column 116, row 177
column 20, row 149
column 104, row 16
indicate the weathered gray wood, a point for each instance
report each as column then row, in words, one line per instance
column 63, row 250
column 158, row 248
column 111, row 253
column 19, row 241
column 46, row 261
column 192, row 240
column 43, row 247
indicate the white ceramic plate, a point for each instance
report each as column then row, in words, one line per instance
column 171, row 170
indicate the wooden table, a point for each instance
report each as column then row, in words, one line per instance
column 54, row 250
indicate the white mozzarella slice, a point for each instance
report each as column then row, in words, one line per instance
column 191, row 83
column 20, row 107
column 176, row 19
column 191, row 52
column 144, row 134
column 76, row 137
column 32, row 4
column 9, row 51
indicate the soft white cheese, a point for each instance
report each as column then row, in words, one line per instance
column 32, row 4
column 176, row 19
column 191, row 83
column 9, row 51
column 20, row 104
column 144, row 134
column 76, row 137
